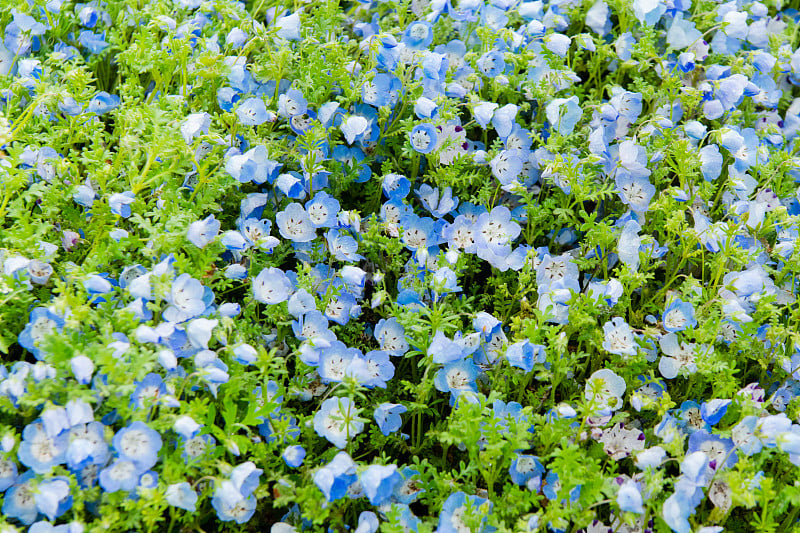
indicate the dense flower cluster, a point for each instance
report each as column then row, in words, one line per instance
column 451, row 265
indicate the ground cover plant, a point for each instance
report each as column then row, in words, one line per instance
column 401, row 265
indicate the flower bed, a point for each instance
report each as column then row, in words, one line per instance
column 408, row 265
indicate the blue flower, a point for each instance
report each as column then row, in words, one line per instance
column 526, row 470
column 424, row 138
column 40, row 451
column 629, row 498
column 122, row 474
column 418, row 35
column 451, row 519
column 295, row 224
column 202, row 232
column 524, row 355
column 678, row 316
column 42, row 322
column 619, row 338
column 456, row 378
column 337, row 421
column 336, row 477
column 563, row 114
column 102, row 103
column 120, row 203
column 139, row 444
column 293, row 456
column 188, row 298
column 391, row 337
column 379, row 482
column 94, row 42
column 19, row 501
column 182, row 495
column 387, row 416
column 272, row 286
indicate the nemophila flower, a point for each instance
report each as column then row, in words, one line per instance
column 635, row 192
column 678, row 316
column 292, row 103
column 295, row 224
column 619, row 338
column 272, row 286
column 379, row 482
column 620, row 442
column 457, row 377
column 39, row 451
column 524, row 355
column 526, row 470
column 53, row 498
column 230, row 508
column 354, row 127
column 605, row 388
column 336, row 477
column 424, row 138
column 629, row 498
column 202, row 232
column 452, row 143
column 507, row 166
column 289, row 27
column 719, row 450
column 495, row 231
column 438, row 207
column 122, row 474
column 293, row 456
column 42, row 322
column 188, row 298
column 629, row 244
column 95, row 43
column 253, row 166
column 139, row 444
column 391, row 337
column 418, row 35
column 459, row 504
column 678, row 357
column 120, row 203
column 563, row 114
column 387, row 416
column 340, row 308
column 337, row 420
column 182, row 495
column 19, row 501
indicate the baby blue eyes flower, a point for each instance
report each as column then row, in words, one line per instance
column 678, row 316
column 605, row 388
column 379, row 482
column 272, row 286
column 418, row 35
column 337, row 421
column 491, row 64
column 451, row 520
column 102, row 103
column 139, row 444
column 202, row 232
column 182, row 495
column 120, row 203
column 94, row 42
column 336, row 477
column 424, row 138
column 563, row 114
column 387, row 416
column 252, row 112
column 354, row 128
column 629, row 498
column 293, row 456
column 619, row 338
column 195, row 125
column 295, row 224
